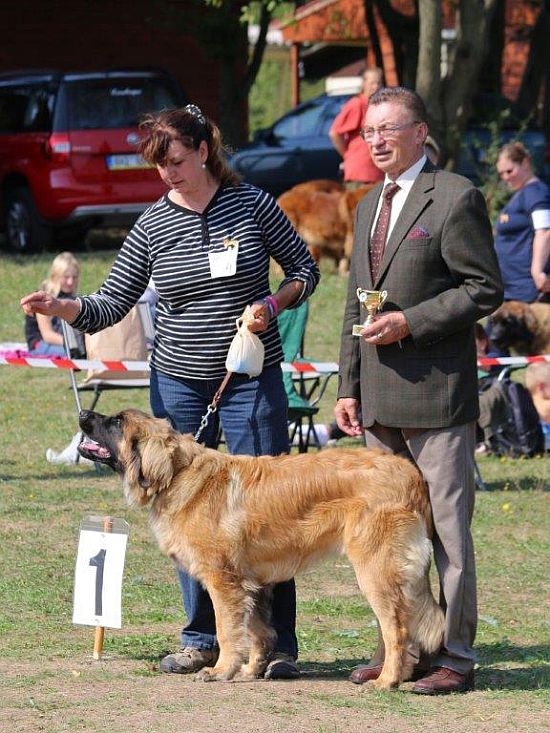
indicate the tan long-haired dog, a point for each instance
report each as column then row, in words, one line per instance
column 240, row 524
column 523, row 327
column 323, row 214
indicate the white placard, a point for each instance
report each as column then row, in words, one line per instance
column 98, row 578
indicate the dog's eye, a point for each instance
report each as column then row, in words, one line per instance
column 117, row 422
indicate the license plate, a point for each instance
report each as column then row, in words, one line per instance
column 125, row 162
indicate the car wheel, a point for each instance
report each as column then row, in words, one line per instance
column 25, row 231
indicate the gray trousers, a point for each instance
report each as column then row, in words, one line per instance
column 445, row 456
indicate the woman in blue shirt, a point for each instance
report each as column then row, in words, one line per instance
column 522, row 239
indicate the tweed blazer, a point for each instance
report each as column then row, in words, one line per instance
column 440, row 269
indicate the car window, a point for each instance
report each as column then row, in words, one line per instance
column 25, row 109
column 302, row 122
column 331, row 108
column 110, row 103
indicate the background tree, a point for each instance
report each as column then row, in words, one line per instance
column 223, row 34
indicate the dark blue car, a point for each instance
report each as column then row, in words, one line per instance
column 297, row 148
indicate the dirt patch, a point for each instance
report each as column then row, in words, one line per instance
column 120, row 695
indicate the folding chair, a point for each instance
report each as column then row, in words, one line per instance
column 305, row 390
column 73, row 343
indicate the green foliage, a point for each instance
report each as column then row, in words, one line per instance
column 270, row 95
column 495, row 192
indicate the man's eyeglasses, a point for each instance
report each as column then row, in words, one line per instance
column 386, row 132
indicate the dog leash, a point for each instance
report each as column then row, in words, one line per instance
column 213, row 406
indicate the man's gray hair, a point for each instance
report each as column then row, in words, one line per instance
column 408, row 98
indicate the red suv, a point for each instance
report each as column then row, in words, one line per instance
column 67, row 150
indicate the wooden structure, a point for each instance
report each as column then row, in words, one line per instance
column 342, row 23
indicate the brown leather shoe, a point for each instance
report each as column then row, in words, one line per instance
column 365, row 673
column 442, row 681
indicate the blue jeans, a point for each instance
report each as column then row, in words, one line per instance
column 253, row 415
column 42, row 348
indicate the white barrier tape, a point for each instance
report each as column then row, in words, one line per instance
column 512, row 360
column 316, row 367
column 313, row 367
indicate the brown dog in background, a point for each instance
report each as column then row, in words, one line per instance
column 523, row 327
column 240, row 524
column 323, row 214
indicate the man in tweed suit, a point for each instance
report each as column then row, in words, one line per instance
column 409, row 381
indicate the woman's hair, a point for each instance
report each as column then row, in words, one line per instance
column 401, row 95
column 190, row 126
column 516, row 152
column 63, row 262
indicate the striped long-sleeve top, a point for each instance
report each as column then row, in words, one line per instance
column 196, row 313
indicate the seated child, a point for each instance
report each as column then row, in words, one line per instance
column 43, row 333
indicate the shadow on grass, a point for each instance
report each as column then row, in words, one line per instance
column 524, row 484
column 534, row 675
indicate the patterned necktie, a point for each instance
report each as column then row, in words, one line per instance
column 378, row 239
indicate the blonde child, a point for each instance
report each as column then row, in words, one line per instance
column 43, row 333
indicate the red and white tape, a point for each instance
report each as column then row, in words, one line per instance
column 310, row 367
column 512, row 360
column 57, row 362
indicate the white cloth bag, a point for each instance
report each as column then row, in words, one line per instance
column 246, row 353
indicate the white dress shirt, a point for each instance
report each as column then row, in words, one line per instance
column 405, row 182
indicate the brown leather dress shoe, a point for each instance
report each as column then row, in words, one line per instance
column 442, row 681
column 365, row 673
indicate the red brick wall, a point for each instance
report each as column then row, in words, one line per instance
column 91, row 34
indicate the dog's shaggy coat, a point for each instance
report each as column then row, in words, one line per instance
column 241, row 524
column 523, row 327
column 323, row 214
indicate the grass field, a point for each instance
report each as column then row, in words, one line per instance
column 48, row 680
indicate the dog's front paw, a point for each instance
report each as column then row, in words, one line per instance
column 383, row 683
column 210, row 674
column 247, row 673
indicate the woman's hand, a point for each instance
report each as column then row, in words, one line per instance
column 40, row 302
column 260, row 312
column 45, row 304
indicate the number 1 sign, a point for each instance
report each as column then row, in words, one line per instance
column 98, row 573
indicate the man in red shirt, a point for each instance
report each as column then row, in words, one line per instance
column 344, row 133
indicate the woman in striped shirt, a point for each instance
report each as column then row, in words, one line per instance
column 206, row 244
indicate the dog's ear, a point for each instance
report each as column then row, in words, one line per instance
column 150, row 466
column 157, row 463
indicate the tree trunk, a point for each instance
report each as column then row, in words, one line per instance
column 474, row 18
column 428, row 73
column 538, row 65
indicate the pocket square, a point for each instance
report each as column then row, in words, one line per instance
column 418, row 233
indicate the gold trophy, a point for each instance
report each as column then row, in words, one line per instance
column 372, row 300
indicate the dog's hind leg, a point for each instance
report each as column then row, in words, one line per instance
column 386, row 600
column 261, row 634
column 379, row 548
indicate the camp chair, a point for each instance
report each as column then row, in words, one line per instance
column 305, row 390
column 98, row 384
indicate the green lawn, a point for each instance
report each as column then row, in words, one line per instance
column 48, row 681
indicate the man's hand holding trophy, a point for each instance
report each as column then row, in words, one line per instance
column 390, row 326
column 372, row 301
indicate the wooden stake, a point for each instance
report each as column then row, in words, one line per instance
column 100, row 630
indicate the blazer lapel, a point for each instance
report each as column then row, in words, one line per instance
column 419, row 197
column 362, row 239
